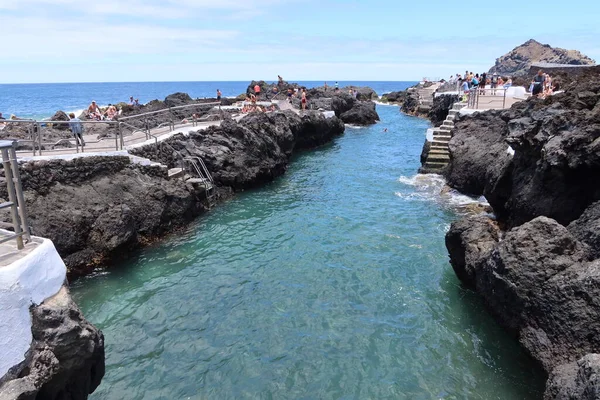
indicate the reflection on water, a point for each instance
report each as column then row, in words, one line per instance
column 331, row 283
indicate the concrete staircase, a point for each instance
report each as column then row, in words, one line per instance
column 439, row 155
column 426, row 97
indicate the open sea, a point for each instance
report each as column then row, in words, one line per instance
column 332, row 282
column 42, row 100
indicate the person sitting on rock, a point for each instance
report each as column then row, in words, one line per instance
column 111, row 112
column 136, row 103
column 77, row 129
column 131, row 100
column 94, row 111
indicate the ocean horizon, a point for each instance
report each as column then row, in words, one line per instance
column 42, row 100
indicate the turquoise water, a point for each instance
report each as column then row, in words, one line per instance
column 332, row 282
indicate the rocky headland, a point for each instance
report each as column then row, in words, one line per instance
column 518, row 61
column 536, row 264
column 355, row 110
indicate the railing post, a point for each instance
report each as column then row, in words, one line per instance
column 504, row 100
column 32, row 135
column 119, row 137
column 39, row 132
column 19, row 191
column 12, row 197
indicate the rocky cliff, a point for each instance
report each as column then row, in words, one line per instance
column 249, row 153
column 66, row 359
column 537, row 264
column 518, row 61
column 96, row 209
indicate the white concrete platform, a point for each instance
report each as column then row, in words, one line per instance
column 27, row 277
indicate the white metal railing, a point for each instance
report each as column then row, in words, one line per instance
column 118, row 129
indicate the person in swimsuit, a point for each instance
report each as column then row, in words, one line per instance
column 303, row 99
column 94, row 111
column 218, row 95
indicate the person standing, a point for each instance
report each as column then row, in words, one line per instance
column 538, row 83
column 77, row 129
column 303, row 99
column 494, row 83
column 218, row 95
column 257, row 90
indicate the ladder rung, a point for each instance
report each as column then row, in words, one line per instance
column 12, row 236
column 6, row 204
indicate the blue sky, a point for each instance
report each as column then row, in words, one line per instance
column 201, row 40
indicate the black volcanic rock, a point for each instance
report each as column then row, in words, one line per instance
column 362, row 113
column 518, row 61
column 555, row 170
column 577, row 380
column 60, row 116
column 178, row 99
column 441, row 107
column 66, row 358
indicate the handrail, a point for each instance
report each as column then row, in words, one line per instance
column 16, row 200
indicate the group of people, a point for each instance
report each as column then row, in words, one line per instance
column 96, row 114
column 471, row 81
column 542, row 85
column 134, row 103
column 298, row 93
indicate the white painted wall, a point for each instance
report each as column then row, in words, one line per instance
column 32, row 279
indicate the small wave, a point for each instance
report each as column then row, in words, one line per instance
column 432, row 187
column 386, row 104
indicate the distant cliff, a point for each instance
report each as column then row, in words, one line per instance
column 518, row 61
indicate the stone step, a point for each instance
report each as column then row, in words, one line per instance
column 458, row 106
column 438, row 152
column 442, row 139
column 453, row 113
column 438, row 157
column 176, row 173
column 435, row 165
column 446, row 129
column 448, row 123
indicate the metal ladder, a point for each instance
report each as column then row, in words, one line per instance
column 198, row 168
column 204, row 177
column 16, row 201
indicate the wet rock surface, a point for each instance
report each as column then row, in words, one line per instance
column 66, row 358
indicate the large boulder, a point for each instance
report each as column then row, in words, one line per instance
column 66, row 359
column 362, row 113
column 60, row 116
column 539, row 283
column 178, row 99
